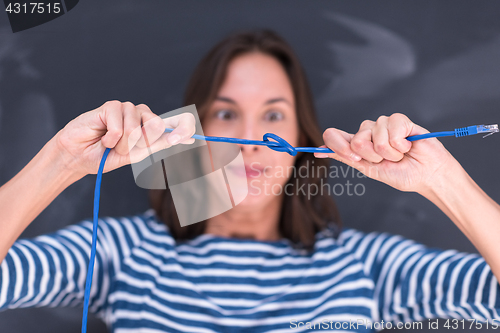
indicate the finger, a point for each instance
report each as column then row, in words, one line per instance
column 362, row 145
column 112, row 117
column 400, row 127
column 362, row 166
column 188, row 141
column 131, row 124
column 321, row 155
column 184, row 127
column 366, row 125
column 339, row 142
column 381, row 145
column 153, row 126
column 137, row 154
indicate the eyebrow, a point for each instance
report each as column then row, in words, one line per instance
column 276, row 100
column 270, row 101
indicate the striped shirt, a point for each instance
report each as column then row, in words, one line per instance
column 145, row 281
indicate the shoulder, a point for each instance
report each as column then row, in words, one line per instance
column 386, row 248
column 131, row 229
column 359, row 242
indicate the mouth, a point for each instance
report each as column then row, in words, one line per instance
column 253, row 171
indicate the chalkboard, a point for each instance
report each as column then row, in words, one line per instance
column 436, row 61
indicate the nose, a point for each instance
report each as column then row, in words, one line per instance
column 250, row 131
column 249, row 148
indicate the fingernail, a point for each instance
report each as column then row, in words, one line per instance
column 174, row 138
column 321, row 155
column 355, row 157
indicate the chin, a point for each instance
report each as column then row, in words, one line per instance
column 257, row 197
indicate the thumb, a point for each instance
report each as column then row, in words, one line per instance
column 362, row 166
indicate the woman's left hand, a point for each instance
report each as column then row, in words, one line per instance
column 381, row 151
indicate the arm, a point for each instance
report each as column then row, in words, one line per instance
column 50, row 270
column 134, row 132
column 26, row 195
column 414, row 283
column 471, row 209
column 380, row 150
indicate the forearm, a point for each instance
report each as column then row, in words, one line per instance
column 26, row 195
column 471, row 209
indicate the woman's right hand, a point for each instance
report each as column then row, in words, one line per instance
column 117, row 125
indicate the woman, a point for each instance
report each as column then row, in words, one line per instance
column 273, row 263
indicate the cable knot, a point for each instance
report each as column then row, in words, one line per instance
column 279, row 144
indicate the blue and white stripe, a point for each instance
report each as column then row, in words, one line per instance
column 144, row 281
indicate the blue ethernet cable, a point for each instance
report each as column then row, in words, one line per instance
column 458, row 132
column 278, row 144
column 90, row 271
column 281, row 145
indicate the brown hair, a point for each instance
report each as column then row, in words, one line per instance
column 300, row 218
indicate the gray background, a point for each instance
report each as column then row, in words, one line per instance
column 436, row 61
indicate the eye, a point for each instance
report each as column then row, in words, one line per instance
column 274, row 116
column 225, row 114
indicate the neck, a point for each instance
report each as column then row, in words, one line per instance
column 249, row 222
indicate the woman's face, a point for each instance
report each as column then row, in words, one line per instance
column 257, row 98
